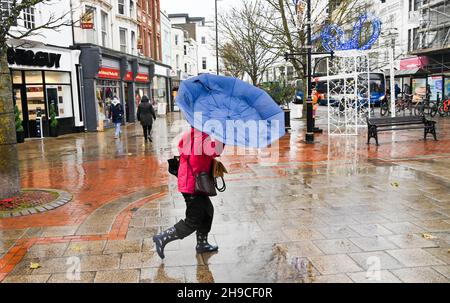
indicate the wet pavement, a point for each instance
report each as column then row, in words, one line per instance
column 336, row 211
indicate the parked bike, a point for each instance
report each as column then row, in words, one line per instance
column 444, row 107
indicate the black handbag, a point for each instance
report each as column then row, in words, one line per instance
column 174, row 165
column 204, row 183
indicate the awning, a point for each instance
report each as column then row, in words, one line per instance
column 409, row 72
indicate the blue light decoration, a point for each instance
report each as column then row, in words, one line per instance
column 333, row 36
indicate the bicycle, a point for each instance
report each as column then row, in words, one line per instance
column 444, row 107
column 426, row 107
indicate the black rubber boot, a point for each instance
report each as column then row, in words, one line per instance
column 203, row 245
column 163, row 238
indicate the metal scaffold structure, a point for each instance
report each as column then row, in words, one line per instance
column 348, row 92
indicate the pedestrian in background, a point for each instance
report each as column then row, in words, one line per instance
column 146, row 114
column 116, row 115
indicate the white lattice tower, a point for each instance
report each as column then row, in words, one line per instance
column 348, row 84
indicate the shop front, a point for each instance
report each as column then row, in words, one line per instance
column 161, row 88
column 108, row 74
column 45, row 79
column 143, row 84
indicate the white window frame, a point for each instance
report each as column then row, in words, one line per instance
column 123, row 44
column 29, row 18
column 5, row 7
column 121, row 5
column 132, row 8
column 203, row 40
column 104, row 28
column 133, row 42
column 204, row 63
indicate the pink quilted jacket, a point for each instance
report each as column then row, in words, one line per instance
column 199, row 149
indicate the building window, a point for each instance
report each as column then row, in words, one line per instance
column 185, row 50
column 149, row 53
column 203, row 40
column 5, row 9
column 91, row 34
column 178, row 62
column 204, row 62
column 28, row 18
column 131, row 8
column 123, row 40
column 176, row 39
column 185, row 68
column 133, row 42
column 104, row 29
column 121, row 6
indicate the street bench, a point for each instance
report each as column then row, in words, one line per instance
column 376, row 125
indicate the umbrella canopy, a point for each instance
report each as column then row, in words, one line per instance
column 231, row 111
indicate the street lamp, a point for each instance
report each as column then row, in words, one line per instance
column 217, row 40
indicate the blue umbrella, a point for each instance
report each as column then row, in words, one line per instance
column 231, row 111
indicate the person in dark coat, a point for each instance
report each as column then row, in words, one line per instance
column 116, row 115
column 145, row 115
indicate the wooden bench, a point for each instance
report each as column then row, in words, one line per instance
column 376, row 125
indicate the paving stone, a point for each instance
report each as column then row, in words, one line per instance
column 123, row 246
column 47, row 250
column 135, row 233
column 26, row 279
column 163, row 274
column 100, row 262
column 404, row 228
column 441, row 253
column 383, row 276
column 336, row 246
column 373, row 243
column 443, row 270
column 85, row 248
column 117, row 276
column 337, row 232
column 301, row 234
column 420, row 275
column 411, row 241
column 198, row 274
column 334, row 264
column 368, row 259
column 59, row 231
column 139, row 260
column 84, row 277
column 415, row 257
column 434, row 225
column 341, row 278
column 369, row 230
column 92, row 230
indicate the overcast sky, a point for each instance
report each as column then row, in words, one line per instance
column 196, row 8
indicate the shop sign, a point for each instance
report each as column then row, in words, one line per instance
column 129, row 76
column 87, row 20
column 109, row 73
column 142, row 78
column 29, row 58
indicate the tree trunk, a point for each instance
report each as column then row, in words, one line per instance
column 9, row 162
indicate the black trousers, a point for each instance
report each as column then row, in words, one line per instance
column 147, row 130
column 199, row 216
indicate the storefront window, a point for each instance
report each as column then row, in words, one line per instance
column 447, row 88
column 33, row 77
column 159, row 89
column 36, row 101
column 419, row 89
column 57, row 78
column 435, row 83
column 17, row 77
column 106, row 90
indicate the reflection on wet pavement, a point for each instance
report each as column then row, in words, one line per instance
column 336, row 211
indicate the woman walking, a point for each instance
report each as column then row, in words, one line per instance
column 116, row 114
column 145, row 115
column 197, row 151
